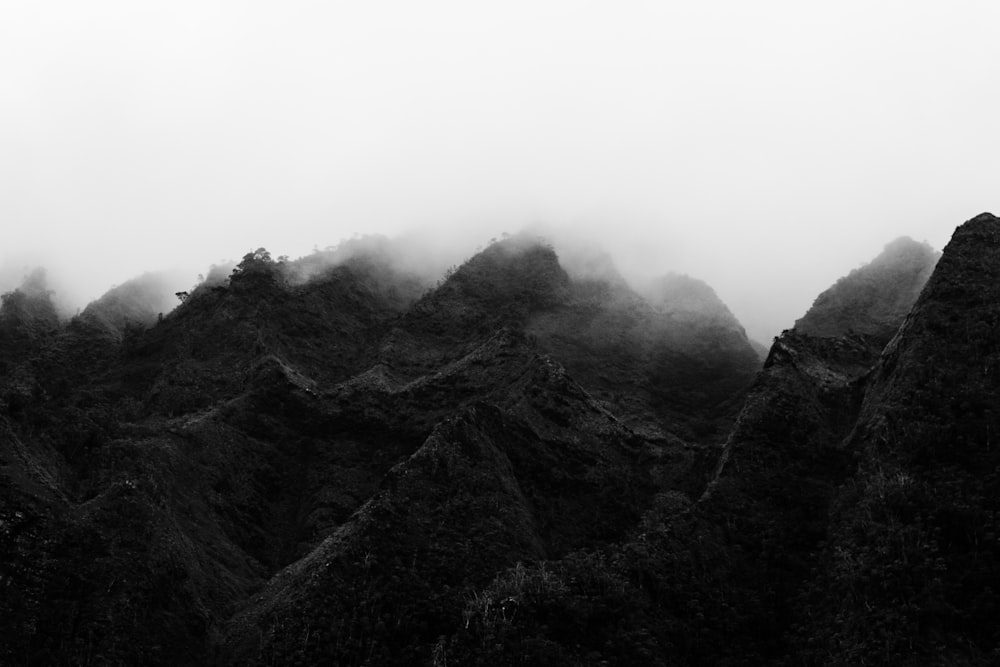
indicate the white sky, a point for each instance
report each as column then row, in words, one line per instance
column 765, row 147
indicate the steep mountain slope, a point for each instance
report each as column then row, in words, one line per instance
column 914, row 546
column 212, row 345
column 850, row 520
column 875, row 298
column 135, row 303
column 329, row 461
column 669, row 363
column 313, row 448
column 698, row 324
column 501, row 286
column 715, row 581
column 662, row 364
column 28, row 323
column 171, row 488
column 27, row 317
column 536, row 470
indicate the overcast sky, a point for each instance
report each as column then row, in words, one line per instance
column 766, row 147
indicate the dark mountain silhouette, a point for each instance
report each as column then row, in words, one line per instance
column 331, row 460
column 913, row 543
column 849, row 520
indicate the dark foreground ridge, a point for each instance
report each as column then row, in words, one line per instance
column 336, row 462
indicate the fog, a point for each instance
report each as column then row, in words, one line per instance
column 767, row 148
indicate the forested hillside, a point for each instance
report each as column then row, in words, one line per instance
column 341, row 460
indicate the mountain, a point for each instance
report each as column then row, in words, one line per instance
column 300, row 440
column 875, row 298
column 913, row 543
column 709, row 579
column 536, row 471
column 27, row 314
column 850, row 519
column 666, row 360
column 336, row 460
column 137, row 303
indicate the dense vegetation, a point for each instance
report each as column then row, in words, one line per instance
column 334, row 460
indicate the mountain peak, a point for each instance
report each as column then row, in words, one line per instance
column 519, row 272
column 138, row 301
column 985, row 216
column 27, row 312
column 947, row 340
column 683, row 296
column 875, row 298
column 346, row 466
column 982, row 228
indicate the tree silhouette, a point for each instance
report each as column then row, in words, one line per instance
column 258, row 258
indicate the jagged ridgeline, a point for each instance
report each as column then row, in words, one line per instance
column 342, row 460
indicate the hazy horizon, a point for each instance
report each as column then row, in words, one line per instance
column 767, row 149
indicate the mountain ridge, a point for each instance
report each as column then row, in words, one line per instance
column 875, row 298
column 306, row 462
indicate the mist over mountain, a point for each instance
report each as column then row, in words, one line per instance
column 138, row 302
column 28, row 313
column 752, row 285
column 519, row 458
column 523, row 333
column 875, row 298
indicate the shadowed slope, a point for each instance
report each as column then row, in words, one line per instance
column 304, row 465
column 915, row 548
column 795, row 554
column 536, row 471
